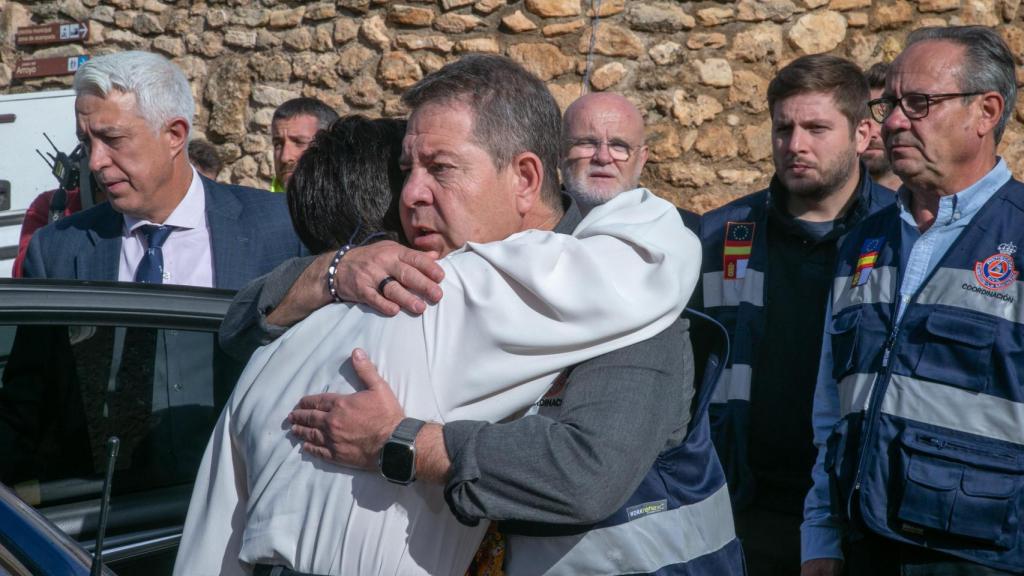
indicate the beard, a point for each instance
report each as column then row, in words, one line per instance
column 832, row 176
column 877, row 164
column 590, row 194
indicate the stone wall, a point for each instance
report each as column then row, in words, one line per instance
column 698, row 70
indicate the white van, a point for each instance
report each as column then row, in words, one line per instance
column 24, row 118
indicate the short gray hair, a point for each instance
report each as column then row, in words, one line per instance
column 160, row 88
column 988, row 63
column 513, row 111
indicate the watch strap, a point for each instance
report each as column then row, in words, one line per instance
column 407, row 430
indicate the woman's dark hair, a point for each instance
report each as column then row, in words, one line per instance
column 346, row 186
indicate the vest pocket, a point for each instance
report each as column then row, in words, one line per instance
column 966, row 488
column 957, row 350
column 843, row 331
column 841, row 464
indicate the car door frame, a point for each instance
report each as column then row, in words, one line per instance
column 87, row 303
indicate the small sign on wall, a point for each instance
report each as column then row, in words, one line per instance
column 39, row 67
column 55, row 33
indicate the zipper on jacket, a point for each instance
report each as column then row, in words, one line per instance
column 877, row 394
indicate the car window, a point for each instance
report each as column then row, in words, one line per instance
column 66, row 389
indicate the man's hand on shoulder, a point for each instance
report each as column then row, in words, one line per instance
column 822, row 567
column 362, row 270
column 358, row 278
column 349, row 429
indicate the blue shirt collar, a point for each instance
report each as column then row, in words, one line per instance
column 964, row 204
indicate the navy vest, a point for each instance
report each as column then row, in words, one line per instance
column 678, row 522
column 929, row 449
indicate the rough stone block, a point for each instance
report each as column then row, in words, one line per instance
column 240, row 38
column 666, row 53
column 488, row 6
column 345, row 29
column 561, row 28
column 485, row 45
column 888, row 17
column 612, row 40
column 607, row 76
column 517, row 22
column 435, row 42
column 554, row 8
column 452, row 23
column 544, row 60
column 658, row 17
column 818, row 32
column 714, row 72
column 398, row 70
column 715, row 16
column 761, row 10
column 287, row 18
column 410, row 16
column 698, row 40
column 169, row 46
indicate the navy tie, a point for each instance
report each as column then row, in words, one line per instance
column 151, row 267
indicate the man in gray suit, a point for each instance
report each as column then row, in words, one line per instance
column 163, row 223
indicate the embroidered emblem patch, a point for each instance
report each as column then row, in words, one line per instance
column 998, row 271
column 866, row 261
column 739, row 242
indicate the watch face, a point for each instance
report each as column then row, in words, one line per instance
column 396, row 462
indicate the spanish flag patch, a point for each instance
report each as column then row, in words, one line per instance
column 866, row 261
column 739, row 242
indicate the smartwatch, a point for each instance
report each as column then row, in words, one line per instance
column 398, row 456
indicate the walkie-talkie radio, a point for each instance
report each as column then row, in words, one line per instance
column 65, row 168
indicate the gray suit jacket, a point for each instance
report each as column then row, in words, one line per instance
column 250, row 234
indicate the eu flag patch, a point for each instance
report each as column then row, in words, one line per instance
column 739, row 242
column 866, row 261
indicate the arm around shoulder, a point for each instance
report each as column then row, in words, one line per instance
column 618, row 412
column 245, row 327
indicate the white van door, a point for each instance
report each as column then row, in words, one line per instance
column 24, row 118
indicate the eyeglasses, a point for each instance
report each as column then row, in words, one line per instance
column 914, row 106
column 588, row 147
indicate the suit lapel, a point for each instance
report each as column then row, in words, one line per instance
column 99, row 260
column 229, row 240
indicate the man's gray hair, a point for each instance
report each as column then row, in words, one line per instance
column 513, row 110
column 988, row 63
column 161, row 90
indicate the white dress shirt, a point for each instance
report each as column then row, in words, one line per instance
column 514, row 314
column 188, row 258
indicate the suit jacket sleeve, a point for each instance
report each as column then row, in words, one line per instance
column 33, row 266
column 245, row 327
column 618, row 412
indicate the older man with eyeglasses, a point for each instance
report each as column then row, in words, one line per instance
column 604, row 151
column 919, row 408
